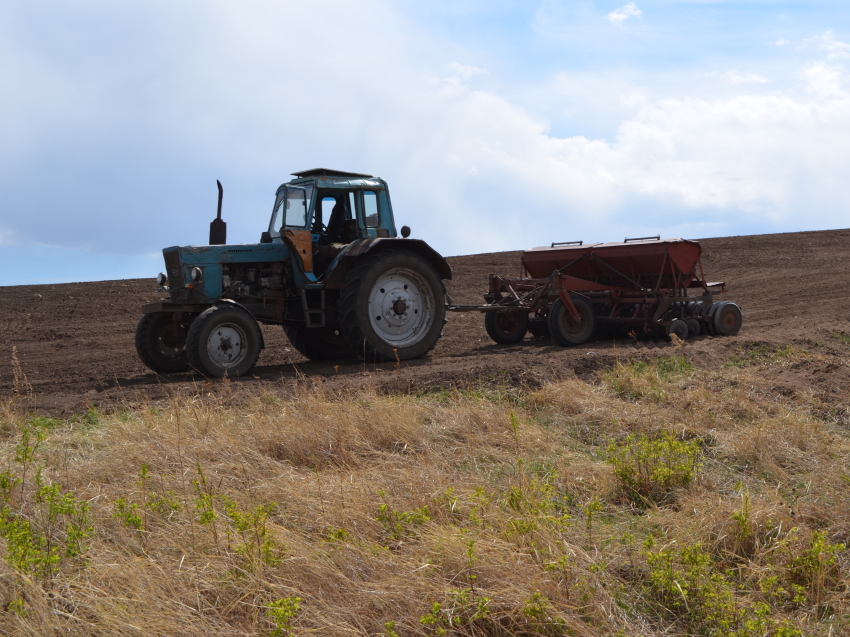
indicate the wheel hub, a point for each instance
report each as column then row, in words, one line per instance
column 169, row 342
column 400, row 307
column 226, row 345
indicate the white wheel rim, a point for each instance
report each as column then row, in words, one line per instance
column 401, row 308
column 227, row 345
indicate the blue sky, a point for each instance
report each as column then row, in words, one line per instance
column 498, row 125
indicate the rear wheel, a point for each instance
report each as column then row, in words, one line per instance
column 160, row 344
column 224, row 340
column 318, row 343
column 392, row 305
column 565, row 329
column 506, row 328
column 728, row 319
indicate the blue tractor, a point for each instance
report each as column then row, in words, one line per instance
column 330, row 269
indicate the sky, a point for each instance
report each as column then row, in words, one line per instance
column 499, row 125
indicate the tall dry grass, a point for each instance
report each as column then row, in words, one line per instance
column 493, row 511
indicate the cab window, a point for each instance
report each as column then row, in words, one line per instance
column 297, row 201
column 370, row 208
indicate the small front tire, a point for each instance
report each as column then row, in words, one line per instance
column 224, row 340
column 160, row 345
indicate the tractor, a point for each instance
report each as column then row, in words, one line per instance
column 331, row 270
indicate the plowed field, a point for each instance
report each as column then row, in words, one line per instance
column 74, row 342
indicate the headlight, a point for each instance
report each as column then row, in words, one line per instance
column 196, row 275
column 161, row 279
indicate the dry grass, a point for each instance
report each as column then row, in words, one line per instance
column 499, row 506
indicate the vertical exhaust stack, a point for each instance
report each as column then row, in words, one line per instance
column 218, row 228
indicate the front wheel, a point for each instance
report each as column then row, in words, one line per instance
column 224, row 339
column 506, row 328
column 392, row 306
column 161, row 344
column 565, row 329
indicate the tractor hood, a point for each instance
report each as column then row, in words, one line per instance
column 180, row 260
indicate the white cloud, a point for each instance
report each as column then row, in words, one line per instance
column 835, row 49
column 737, row 78
column 464, row 72
column 624, row 13
column 825, row 80
column 781, row 42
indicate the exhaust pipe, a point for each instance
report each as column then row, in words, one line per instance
column 218, row 228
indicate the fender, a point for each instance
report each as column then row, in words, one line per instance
column 347, row 257
column 242, row 307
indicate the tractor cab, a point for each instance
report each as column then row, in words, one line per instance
column 322, row 211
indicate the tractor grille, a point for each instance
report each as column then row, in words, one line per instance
column 173, row 269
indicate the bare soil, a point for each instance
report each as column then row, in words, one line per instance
column 74, row 341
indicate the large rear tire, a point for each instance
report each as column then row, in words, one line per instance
column 506, row 328
column 392, row 305
column 160, row 346
column 565, row 329
column 224, row 339
column 318, row 343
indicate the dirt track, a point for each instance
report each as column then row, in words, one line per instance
column 75, row 341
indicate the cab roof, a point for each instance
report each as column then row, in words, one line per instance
column 330, row 178
column 327, row 172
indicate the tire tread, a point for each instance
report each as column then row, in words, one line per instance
column 347, row 304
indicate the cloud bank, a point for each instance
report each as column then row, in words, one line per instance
column 123, row 124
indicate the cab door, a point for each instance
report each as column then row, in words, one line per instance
column 294, row 231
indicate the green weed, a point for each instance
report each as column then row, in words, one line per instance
column 816, row 566
column 334, row 534
column 282, row 613
column 91, row 418
column 44, row 527
column 462, row 608
column 45, row 422
column 127, row 512
column 57, row 530
column 400, row 524
column 844, row 339
column 538, row 609
column 205, row 502
column 645, row 379
column 651, row 469
column 761, row 355
column 258, row 545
